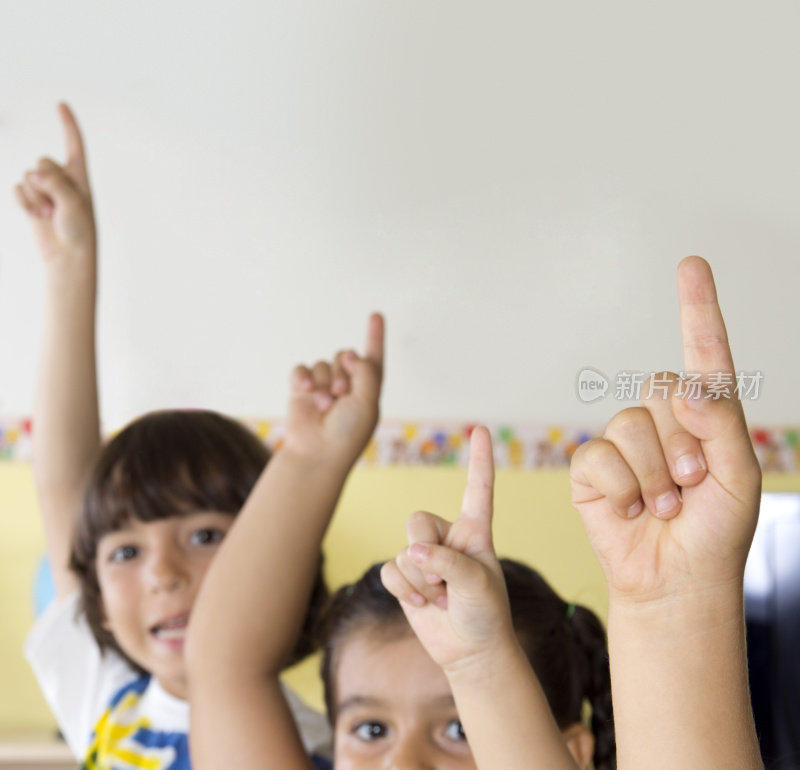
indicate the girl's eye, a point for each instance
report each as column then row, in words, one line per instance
column 123, row 553
column 370, row 731
column 208, row 536
column 454, row 731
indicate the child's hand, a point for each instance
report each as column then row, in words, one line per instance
column 669, row 496
column 448, row 580
column 333, row 407
column 58, row 199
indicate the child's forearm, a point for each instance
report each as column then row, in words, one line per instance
column 505, row 714
column 66, row 433
column 257, row 731
column 255, row 594
column 671, row 688
column 249, row 611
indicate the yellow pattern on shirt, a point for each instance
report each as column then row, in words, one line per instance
column 112, row 732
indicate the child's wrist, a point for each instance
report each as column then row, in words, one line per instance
column 311, row 463
column 504, row 655
column 695, row 610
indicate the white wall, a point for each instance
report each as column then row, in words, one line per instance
column 513, row 183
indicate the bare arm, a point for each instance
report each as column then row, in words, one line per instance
column 66, row 431
column 669, row 498
column 254, row 598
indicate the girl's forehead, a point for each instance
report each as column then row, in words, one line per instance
column 390, row 667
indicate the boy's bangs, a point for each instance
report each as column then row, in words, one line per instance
column 149, row 488
column 171, row 464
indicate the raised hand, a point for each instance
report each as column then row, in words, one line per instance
column 58, row 199
column 448, row 580
column 333, row 407
column 669, row 496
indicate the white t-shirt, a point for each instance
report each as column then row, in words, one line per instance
column 110, row 716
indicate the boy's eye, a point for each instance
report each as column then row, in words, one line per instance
column 207, row 536
column 454, row 731
column 370, row 731
column 123, row 553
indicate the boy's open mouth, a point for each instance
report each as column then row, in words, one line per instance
column 172, row 628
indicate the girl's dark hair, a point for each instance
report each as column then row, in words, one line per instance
column 565, row 644
column 164, row 464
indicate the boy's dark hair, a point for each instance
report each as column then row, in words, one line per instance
column 164, row 464
column 565, row 644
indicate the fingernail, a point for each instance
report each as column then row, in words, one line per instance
column 666, row 502
column 636, row 508
column 686, row 465
column 418, row 552
column 442, row 601
column 417, row 599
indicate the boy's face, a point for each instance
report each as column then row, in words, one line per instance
column 149, row 575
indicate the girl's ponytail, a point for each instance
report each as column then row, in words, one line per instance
column 566, row 646
column 593, row 680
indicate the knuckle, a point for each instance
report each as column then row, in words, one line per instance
column 659, row 387
column 655, row 480
column 628, row 424
column 418, row 519
column 299, row 372
column 592, row 453
column 708, row 341
column 626, row 493
column 679, row 444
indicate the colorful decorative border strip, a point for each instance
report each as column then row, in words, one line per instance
column 432, row 443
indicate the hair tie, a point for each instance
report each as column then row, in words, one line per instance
column 570, row 610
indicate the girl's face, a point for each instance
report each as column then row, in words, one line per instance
column 394, row 708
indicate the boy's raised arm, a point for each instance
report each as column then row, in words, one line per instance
column 669, row 498
column 66, row 425
column 254, row 597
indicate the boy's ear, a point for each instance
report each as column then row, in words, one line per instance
column 580, row 742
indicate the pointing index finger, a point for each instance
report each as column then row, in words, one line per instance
column 76, row 155
column 374, row 346
column 705, row 341
column 472, row 531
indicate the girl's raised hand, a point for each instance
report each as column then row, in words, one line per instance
column 669, row 496
column 58, row 199
column 448, row 580
column 333, row 406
